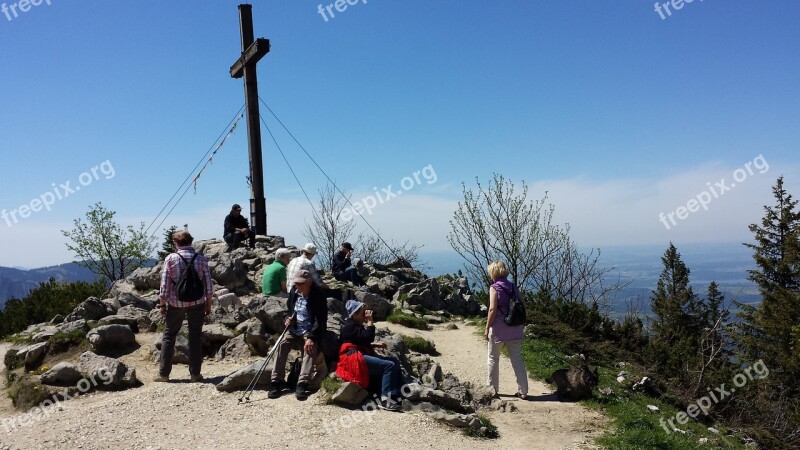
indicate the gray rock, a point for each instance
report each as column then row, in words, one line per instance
column 62, row 374
column 44, row 335
column 235, row 349
column 256, row 334
column 146, row 278
column 381, row 308
column 128, row 321
column 141, row 316
column 129, row 299
column 270, row 311
column 33, row 355
column 456, row 420
column 241, row 378
column 217, row 333
column 69, row 327
column 451, row 326
column 417, row 392
column 482, row 395
column 91, row 309
column 336, row 306
column 350, row 394
column 433, row 319
column 105, row 368
column 110, row 336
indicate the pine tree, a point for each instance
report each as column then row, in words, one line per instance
column 675, row 338
column 769, row 332
column 167, row 247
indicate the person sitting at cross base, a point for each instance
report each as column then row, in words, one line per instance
column 358, row 337
column 343, row 269
column 274, row 279
column 237, row 229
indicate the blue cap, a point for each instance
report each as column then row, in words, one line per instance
column 352, row 307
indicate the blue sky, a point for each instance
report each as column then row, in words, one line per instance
column 618, row 114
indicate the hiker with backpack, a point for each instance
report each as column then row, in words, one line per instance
column 505, row 328
column 186, row 292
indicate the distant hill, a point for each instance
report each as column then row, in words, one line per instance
column 16, row 283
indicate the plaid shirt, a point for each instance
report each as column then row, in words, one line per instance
column 174, row 267
column 298, row 264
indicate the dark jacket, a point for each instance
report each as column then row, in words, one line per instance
column 355, row 333
column 317, row 309
column 232, row 223
column 340, row 262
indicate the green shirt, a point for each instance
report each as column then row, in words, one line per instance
column 274, row 274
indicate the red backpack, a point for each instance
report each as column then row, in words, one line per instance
column 351, row 366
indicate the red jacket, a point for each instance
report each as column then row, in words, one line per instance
column 351, row 366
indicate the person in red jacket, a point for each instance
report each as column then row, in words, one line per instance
column 359, row 330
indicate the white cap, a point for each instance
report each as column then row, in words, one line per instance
column 310, row 248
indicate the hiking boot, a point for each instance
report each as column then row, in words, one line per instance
column 301, row 392
column 196, row 378
column 276, row 387
column 161, row 379
column 390, row 405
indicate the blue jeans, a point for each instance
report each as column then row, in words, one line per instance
column 389, row 370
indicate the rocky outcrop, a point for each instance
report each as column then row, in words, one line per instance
column 241, row 378
column 91, row 309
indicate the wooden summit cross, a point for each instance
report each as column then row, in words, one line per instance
column 252, row 51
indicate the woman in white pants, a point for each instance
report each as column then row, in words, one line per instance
column 499, row 334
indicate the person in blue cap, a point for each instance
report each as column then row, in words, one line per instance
column 359, row 329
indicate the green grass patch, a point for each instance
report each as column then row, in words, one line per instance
column 331, row 385
column 28, row 395
column 407, row 320
column 61, row 342
column 487, row 430
column 421, row 345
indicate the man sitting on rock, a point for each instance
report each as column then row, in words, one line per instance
column 359, row 331
column 274, row 280
column 177, row 310
column 342, row 267
column 237, row 229
column 307, row 320
column 303, row 262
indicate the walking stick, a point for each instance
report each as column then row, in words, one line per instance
column 252, row 386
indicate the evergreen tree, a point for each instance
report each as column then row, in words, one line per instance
column 167, row 246
column 675, row 326
column 769, row 332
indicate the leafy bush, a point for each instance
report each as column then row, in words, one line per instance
column 420, row 345
column 407, row 320
column 11, row 360
column 28, row 395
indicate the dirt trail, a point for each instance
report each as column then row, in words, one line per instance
column 542, row 422
column 181, row 415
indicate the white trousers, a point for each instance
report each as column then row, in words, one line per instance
column 514, row 353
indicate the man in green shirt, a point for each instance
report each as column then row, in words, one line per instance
column 274, row 282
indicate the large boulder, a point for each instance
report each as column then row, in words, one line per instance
column 256, row 334
column 241, row 378
column 235, row 349
column 75, row 325
column 113, row 336
column 270, row 310
column 141, row 316
column 116, row 373
column 386, row 285
column 147, row 278
column 381, row 308
column 132, row 300
column 32, row 355
column 92, row 309
column 62, row 374
column 228, row 269
column 217, row 333
column 425, row 293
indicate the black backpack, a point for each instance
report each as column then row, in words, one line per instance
column 189, row 287
column 516, row 314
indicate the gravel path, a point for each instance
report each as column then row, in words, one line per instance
column 181, row 415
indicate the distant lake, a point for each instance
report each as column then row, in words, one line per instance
column 727, row 264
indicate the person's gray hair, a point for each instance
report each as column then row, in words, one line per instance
column 282, row 252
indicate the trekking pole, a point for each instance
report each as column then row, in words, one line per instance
column 252, row 386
